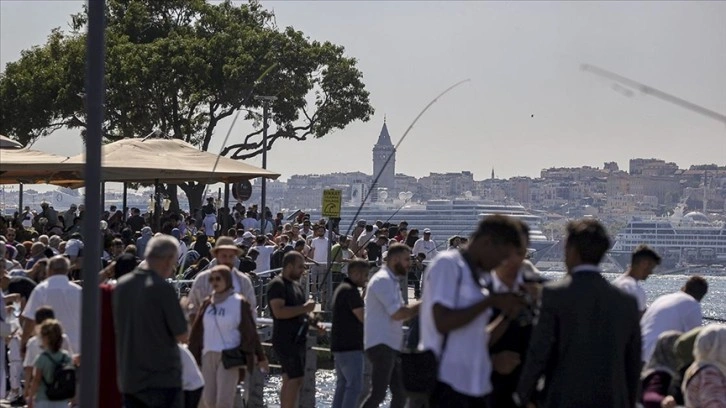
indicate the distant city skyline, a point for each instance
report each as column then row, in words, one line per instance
column 528, row 107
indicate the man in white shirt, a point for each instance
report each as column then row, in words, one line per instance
column 225, row 253
column 642, row 264
column 319, row 254
column 62, row 295
column 385, row 313
column 456, row 307
column 675, row 311
column 425, row 246
column 265, row 248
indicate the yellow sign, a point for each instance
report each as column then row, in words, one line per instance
column 332, row 200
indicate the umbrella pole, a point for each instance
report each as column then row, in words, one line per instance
column 226, row 195
column 157, row 206
column 20, row 200
column 103, row 197
column 125, row 202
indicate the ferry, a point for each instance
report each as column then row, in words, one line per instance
column 681, row 239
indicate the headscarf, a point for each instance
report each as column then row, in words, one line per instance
column 226, row 274
column 684, row 347
column 709, row 350
column 664, row 357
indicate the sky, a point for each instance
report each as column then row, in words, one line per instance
column 528, row 105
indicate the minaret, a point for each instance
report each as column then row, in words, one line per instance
column 381, row 152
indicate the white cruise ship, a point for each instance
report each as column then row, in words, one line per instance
column 445, row 218
column 680, row 239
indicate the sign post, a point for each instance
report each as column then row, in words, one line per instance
column 332, row 202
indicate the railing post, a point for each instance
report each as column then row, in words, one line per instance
column 307, row 394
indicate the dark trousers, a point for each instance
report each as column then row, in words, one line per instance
column 446, row 397
column 155, row 398
column 385, row 372
column 191, row 398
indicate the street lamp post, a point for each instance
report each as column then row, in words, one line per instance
column 263, row 191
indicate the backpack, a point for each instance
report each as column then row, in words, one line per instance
column 63, row 385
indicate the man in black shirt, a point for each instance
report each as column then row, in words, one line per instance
column 136, row 221
column 374, row 248
column 347, row 335
column 289, row 333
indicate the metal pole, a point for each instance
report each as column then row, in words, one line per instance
column 125, row 201
column 263, row 191
column 103, row 197
column 90, row 323
column 157, row 206
column 20, row 200
column 226, row 195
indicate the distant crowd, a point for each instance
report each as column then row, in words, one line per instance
column 488, row 331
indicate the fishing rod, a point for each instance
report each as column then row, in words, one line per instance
column 649, row 90
column 384, row 222
column 388, row 160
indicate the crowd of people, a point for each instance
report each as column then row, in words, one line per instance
column 486, row 329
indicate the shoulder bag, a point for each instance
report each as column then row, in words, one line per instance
column 421, row 368
column 231, row 357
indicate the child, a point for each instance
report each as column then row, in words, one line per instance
column 51, row 335
column 34, row 348
column 192, row 380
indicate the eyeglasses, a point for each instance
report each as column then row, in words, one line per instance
column 215, row 279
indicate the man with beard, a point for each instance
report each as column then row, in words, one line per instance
column 457, row 308
column 385, row 313
column 289, row 331
column 225, row 252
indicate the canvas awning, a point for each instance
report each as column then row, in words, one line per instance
column 35, row 167
column 170, row 161
column 8, row 143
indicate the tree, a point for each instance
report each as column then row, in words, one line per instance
column 182, row 66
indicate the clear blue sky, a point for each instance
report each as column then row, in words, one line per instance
column 523, row 59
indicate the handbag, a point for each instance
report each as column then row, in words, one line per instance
column 421, row 368
column 231, row 357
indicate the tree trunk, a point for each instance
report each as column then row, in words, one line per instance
column 194, row 192
column 173, row 192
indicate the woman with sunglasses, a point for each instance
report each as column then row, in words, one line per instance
column 224, row 322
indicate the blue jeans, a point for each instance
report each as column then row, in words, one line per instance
column 349, row 370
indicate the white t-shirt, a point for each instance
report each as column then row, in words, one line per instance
column 425, row 247
column 191, row 376
column 674, row 311
column 208, row 224
column 34, row 349
column 383, row 299
column 263, row 259
column 629, row 285
column 221, row 325
column 320, row 245
column 65, row 299
column 465, row 364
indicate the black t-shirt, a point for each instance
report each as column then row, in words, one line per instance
column 247, row 265
column 136, row 222
column 287, row 332
column 374, row 251
column 347, row 332
column 21, row 285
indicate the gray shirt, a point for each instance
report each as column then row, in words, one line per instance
column 147, row 319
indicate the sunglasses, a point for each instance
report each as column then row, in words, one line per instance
column 215, row 278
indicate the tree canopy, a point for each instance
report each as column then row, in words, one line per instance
column 181, row 66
